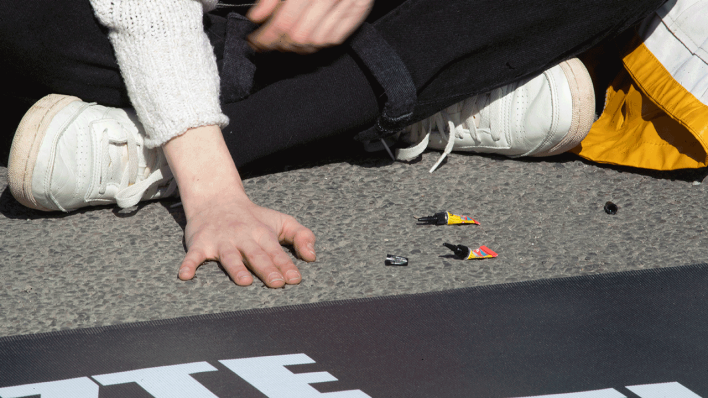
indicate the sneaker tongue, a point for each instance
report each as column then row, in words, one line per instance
column 118, row 160
column 147, row 162
column 476, row 118
column 147, row 159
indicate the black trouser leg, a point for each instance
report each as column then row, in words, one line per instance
column 49, row 46
column 452, row 49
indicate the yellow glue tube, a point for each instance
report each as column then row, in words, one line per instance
column 447, row 218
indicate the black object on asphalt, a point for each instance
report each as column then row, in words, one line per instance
column 437, row 219
column 610, row 208
column 461, row 251
column 396, row 260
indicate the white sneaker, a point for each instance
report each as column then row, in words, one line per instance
column 68, row 154
column 543, row 116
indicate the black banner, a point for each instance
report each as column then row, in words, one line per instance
column 634, row 334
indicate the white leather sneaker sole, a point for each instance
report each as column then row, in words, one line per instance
column 26, row 144
column 582, row 94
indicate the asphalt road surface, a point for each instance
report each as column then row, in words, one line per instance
column 544, row 217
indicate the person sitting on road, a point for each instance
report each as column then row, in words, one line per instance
column 133, row 109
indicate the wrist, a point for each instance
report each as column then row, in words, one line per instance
column 204, row 169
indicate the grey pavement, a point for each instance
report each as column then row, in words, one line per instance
column 544, row 217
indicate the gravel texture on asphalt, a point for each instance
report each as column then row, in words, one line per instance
column 544, row 217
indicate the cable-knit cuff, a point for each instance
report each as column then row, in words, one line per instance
column 177, row 129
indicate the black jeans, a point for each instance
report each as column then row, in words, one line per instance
column 452, row 49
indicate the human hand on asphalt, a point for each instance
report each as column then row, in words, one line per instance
column 222, row 222
column 305, row 26
column 243, row 236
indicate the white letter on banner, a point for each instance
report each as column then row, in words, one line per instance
column 164, row 381
column 81, row 387
column 270, row 377
column 608, row 393
column 663, row 390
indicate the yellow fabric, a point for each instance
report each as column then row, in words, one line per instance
column 650, row 120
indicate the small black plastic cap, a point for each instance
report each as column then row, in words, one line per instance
column 611, row 208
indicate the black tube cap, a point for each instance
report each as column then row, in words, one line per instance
column 437, row 219
column 611, row 208
column 461, row 251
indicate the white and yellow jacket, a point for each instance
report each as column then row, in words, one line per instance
column 656, row 112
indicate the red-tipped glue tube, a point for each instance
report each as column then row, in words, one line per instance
column 447, row 218
column 466, row 253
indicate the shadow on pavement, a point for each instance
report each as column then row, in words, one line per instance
column 12, row 209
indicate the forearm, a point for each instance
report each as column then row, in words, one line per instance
column 203, row 168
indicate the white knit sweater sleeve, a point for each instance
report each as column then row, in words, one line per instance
column 167, row 63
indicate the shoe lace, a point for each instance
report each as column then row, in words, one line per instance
column 470, row 117
column 150, row 178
